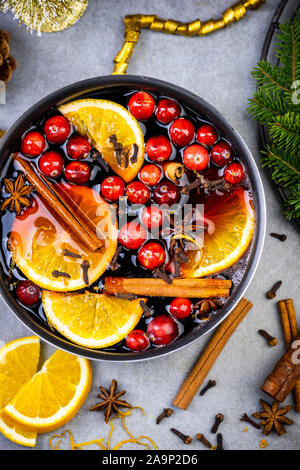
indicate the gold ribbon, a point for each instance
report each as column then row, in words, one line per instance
column 135, row 23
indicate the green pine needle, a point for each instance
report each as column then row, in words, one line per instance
column 273, row 107
column 285, row 131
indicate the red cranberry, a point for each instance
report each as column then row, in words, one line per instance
column 221, row 153
column 137, row 192
column 207, row 135
column 150, row 174
column 159, row 148
column 162, row 330
column 132, row 235
column 152, row 217
column 77, row 172
column 28, row 293
column 33, row 144
column 167, row 110
column 57, row 129
column 141, row 105
column 234, row 173
column 78, row 147
column 167, row 193
column 181, row 308
column 51, row 163
column 137, row 340
column 196, row 157
column 151, row 255
column 112, row 188
column 182, row 132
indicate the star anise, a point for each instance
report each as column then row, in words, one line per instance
column 206, row 306
column 273, row 417
column 18, row 190
column 111, row 402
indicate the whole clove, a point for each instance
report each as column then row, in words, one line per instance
column 57, row 273
column 210, row 384
column 114, row 265
column 271, row 340
column 282, row 237
column 166, row 413
column 158, row 273
column 185, row 438
column 98, row 157
column 272, row 292
column 126, row 296
column 85, row 270
column 146, row 310
column 69, row 253
column 200, row 437
column 133, row 158
column 248, row 420
column 219, row 442
column 218, row 420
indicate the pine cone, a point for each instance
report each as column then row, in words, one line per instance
column 7, row 63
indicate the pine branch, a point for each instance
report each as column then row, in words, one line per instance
column 292, row 204
column 273, row 107
column 264, row 108
column 285, row 166
column 285, row 131
column 288, row 48
column 271, row 78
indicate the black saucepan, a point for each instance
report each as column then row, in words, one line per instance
column 109, row 84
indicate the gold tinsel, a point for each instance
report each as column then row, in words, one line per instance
column 45, row 15
column 135, row 23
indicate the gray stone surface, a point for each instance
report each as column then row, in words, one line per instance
column 217, row 68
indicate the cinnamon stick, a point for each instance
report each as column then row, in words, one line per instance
column 290, row 332
column 285, row 374
column 210, row 354
column 190, row 288
column 80, row 228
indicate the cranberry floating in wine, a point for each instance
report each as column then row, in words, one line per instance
column 137, row 340
column 28, row 293
column 167, row 110
column 167, row 193
column 182, row 132
column 78, row 147
column 141, row 105
column 57, row 129
column 132, row 235
column 162, row 330
column 221, row 153
column 51, row 164
column 196, row 157
column 234, row 173
column 77, row 172
column 159, row 148
column 152, row 255
column 137, row 193
column 112, row 188
column 33, row 144
column 181, row 308
column 207, row 135
column 152, row 217
column 150, row 174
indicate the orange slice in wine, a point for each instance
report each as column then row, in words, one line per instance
column 49, row 255
column 229, row 220
column 101, row 119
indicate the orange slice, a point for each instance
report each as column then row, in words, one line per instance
column 38, row 241
column 230, row 224
column 18, row 363
column 92, row 320
column 54, row 394
column 16, row 432
column 100, row 119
